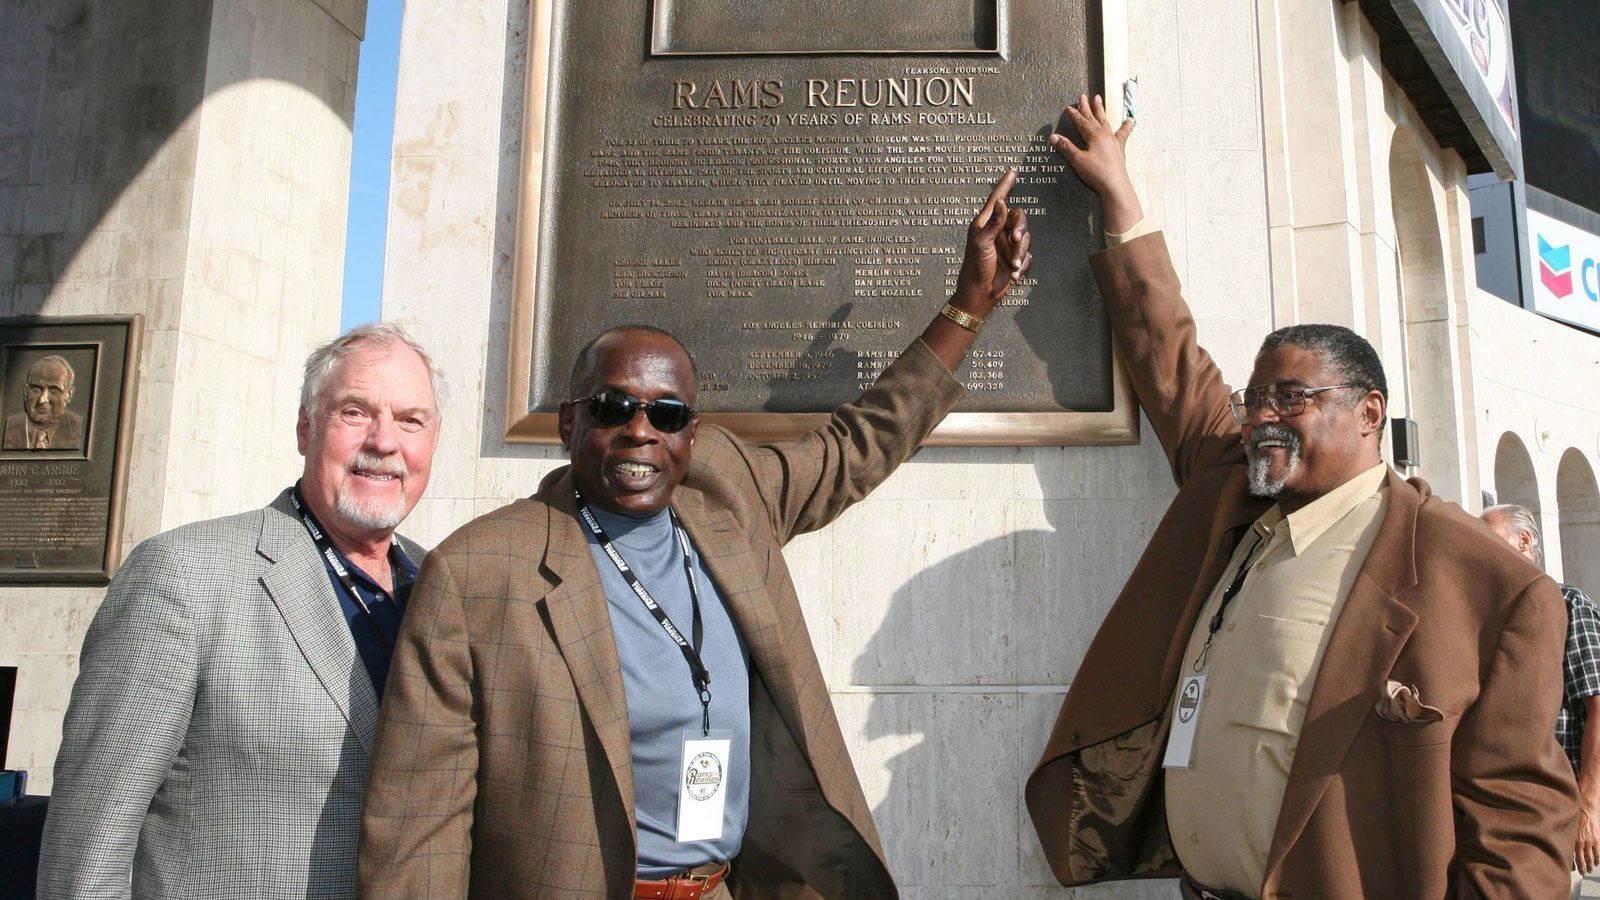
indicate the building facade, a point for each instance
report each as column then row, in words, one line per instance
column 1290, row 169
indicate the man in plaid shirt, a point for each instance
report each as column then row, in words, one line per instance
column 1582, row 695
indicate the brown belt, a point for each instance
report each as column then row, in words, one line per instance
column 691, row 885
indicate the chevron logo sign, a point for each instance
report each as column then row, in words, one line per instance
column 1555, row 267
column 1563, row 261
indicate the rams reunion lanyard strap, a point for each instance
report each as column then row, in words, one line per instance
column 691, row 652
column 325, row 547
column 1232, row 591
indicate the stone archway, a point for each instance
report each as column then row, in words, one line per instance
column 1514, row 478
column 1433, row 369
column 1578, row 516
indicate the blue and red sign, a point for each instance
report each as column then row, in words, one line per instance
column 1566, row 285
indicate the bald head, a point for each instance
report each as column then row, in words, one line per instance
column 49, row 389
column 616, row 344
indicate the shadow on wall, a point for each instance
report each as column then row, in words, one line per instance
column 969, row 666
column 91, row 92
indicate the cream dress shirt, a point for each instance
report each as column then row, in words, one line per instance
column 1260, row 669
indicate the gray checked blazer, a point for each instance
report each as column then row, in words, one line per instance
column 221, row 727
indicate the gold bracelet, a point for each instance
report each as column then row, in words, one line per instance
column 961, row 317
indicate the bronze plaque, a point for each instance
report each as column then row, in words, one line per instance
column 786, row 185
column 66, row 388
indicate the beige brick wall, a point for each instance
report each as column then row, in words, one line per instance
column 951, row 608
column 187, row 160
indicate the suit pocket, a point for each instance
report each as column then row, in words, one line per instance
column 1415, row 734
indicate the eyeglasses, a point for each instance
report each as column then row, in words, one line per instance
column 611, row 408
column 1286, row 398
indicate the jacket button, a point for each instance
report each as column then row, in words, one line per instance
column 1077, row 738
column 1149, row 709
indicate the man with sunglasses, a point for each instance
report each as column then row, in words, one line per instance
column 608, row 689
column 1319, row 681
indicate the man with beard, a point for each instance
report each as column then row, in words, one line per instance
column 220, row 730
column 1320, row 680
column 607, row 690
column 45, row 423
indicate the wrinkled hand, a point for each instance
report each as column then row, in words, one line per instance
column 1588, row 845
column 1102, row 161
column 997, row 251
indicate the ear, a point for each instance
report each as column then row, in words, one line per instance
column 302, row 432
column 564, row 425
column 1524, row 543
column 694, row 429
column 1371, row 409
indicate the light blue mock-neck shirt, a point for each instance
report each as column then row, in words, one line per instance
column 662, row 701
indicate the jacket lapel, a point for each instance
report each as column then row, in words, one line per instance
column 298, row 584
column 582, row 625
column 1366, row 640
column 727, row 554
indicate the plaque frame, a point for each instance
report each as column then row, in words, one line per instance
column 123, row 333
column 1117, row 426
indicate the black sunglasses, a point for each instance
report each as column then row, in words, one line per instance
column 611, row 408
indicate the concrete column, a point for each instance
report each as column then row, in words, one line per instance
column 187, row 160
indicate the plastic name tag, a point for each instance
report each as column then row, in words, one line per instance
column 702, row 789
column 1185, row 718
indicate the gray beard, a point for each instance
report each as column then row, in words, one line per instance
column 371, row 516
column 1259, row 483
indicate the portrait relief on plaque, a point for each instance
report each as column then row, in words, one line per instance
column 787, row 186
column 67, row 388
column 46, row 410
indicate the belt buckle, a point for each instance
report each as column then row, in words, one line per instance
column 701, row 880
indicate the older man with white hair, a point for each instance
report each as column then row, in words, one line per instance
column 219, row 735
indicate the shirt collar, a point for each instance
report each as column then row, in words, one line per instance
column 644, row 534
column 1309, row 522
column 404, row 570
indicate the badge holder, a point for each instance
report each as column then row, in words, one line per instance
column 1185, row 718
column 702, row 790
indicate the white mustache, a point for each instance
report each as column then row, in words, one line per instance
column 376, row 465
column 1273, row 432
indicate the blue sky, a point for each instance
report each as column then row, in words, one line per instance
column 369, row 163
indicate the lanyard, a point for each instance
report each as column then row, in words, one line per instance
column 1227, row 597
column 325, row 547
column 691, row 652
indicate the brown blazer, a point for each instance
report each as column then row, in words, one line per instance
column 1480, row 804
column 502, row 766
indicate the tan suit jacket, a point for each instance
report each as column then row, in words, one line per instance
column 1481, row 803
column 503, row 766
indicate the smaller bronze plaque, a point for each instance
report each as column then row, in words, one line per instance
column 758, row 27
column 66, row 394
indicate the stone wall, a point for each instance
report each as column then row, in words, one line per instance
column 186, row 160
column 951, row 608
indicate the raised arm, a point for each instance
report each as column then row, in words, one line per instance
column 416, row 830
column 1178, row 385
column 808, row 483
column 126, row 721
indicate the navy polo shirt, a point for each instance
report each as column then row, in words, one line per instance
column 386, row 606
